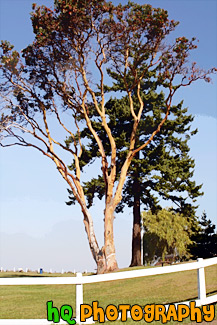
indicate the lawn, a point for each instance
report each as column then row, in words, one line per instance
column 30, row 301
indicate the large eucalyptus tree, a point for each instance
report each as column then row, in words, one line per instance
column 50, row 90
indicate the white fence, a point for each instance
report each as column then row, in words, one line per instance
column 80, row 280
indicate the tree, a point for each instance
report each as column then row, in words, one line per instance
column 205, row 240
column 164, row 171
column 57, row 87
column 160, row 170
column 166, row 232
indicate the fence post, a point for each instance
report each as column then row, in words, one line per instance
column 142, row 253
column 79, row 298
column 201, row 283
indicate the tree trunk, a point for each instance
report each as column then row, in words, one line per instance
column 109, row 247
column 98, row 254
column 105, row 257
column 136, row 235
column 101, row 262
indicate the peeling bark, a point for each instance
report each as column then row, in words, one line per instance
column 109, row 248
column 105, row 257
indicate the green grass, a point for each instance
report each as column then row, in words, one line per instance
column 30, row 301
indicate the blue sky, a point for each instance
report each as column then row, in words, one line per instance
column 37, row 229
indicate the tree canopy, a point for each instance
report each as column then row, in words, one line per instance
column 57, row 86
column 205, row 240
column 166, row 232
column 163, row 170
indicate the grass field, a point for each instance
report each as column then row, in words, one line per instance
column 23, row 302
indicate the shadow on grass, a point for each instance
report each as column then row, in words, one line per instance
column 24, row 276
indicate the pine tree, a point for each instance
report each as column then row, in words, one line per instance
column 163, row 170
column 205, row 240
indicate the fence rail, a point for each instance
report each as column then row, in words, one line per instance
column 79, row 280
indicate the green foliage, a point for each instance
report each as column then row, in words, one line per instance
column 205, row 240
column 166, row 232
column 164, row 169
column 9, row 58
